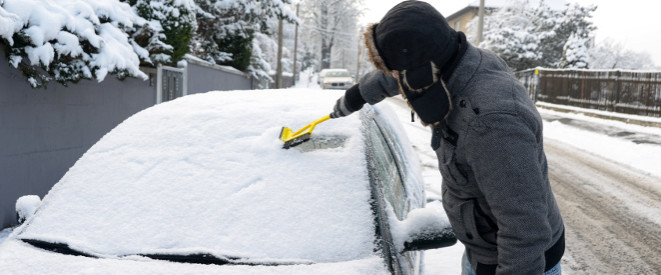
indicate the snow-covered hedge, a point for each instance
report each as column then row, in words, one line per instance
column 69, row 40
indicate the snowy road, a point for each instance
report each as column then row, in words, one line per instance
column 612, row 213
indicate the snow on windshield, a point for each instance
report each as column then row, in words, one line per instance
column 206, row 172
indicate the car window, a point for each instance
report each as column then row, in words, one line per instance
column 337, row 74
column 386, row 171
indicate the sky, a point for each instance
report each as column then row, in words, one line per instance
column 633, row 23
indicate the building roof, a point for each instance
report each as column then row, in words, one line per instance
column 494, row 4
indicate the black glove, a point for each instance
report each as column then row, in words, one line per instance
column 351, row 101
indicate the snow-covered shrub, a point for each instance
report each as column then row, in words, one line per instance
column 70, row 40
column 170, row 28
column 26, row 206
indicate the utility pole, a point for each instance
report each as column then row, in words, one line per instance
column 295, row 43
column 480, row 23
column 278, row 77
column 360, row 53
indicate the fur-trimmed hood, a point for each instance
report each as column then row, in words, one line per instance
column 373, row 52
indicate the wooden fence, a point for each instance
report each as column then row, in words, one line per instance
column 628, row 92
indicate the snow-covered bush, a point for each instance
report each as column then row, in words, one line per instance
column 171, row 26
column 70, row 40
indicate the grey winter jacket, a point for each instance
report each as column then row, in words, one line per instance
column 496, row 190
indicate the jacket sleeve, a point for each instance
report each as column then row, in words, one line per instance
column 376, row 86
column 504, row 154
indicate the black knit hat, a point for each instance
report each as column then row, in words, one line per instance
column 411, row 34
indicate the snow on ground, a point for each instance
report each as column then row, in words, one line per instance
column 4, row 233
column 645, row 157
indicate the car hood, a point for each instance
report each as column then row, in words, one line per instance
column 208, row 171
column 17, row 257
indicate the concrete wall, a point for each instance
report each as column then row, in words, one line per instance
column 44, row 132
column 204, row 77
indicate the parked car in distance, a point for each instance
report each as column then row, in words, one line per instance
column 335, row 79
column 201, row 184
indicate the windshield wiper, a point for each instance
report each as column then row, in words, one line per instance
column 206, row 258
column 200, row 258
column 61, row 248
column 195, row 258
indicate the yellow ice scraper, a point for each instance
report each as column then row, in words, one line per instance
column 292, row 139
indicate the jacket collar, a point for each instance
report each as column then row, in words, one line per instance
column 465, row 70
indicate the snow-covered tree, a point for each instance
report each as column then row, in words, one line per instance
column 573, row 21
column 609, row 54
column 510, row 33
column 67, row 41
column 528, row 36
column 171, row 26
column 226, row 29
column 329, row 23
column 575, row 54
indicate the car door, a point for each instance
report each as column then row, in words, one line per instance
column 388, row 180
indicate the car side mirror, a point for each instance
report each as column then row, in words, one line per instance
column 26, row 206
column 425, row 228
column 431, row 239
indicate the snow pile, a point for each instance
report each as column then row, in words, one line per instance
column 206, row 172
column 645, row 157
column 4, row 233
column 26, row 206
column 85, row 38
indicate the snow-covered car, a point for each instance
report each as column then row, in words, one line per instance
column 201, row 184
column 335, row 79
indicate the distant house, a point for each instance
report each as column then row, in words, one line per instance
column 459, row 20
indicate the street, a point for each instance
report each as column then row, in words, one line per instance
column 612, row 213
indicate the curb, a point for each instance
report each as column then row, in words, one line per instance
column 623, row 119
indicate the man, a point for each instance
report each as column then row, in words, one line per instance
column 487, row 135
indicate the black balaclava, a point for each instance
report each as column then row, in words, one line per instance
column 409, row 38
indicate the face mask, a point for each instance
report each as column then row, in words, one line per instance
column 426, row 92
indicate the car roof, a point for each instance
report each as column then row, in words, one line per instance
column 207, row 172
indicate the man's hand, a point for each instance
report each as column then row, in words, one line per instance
column 351, row 101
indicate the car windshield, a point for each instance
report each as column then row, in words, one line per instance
column 206, row 173
column 337, row 74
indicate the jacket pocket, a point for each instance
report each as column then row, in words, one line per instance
column 463, row 217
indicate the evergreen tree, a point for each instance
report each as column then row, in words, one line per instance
column 572, row 21
column 171, row 26
column 527, row 37
column 575, row 54
column 510, row 33
column 227, row 29
column 94, row 45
